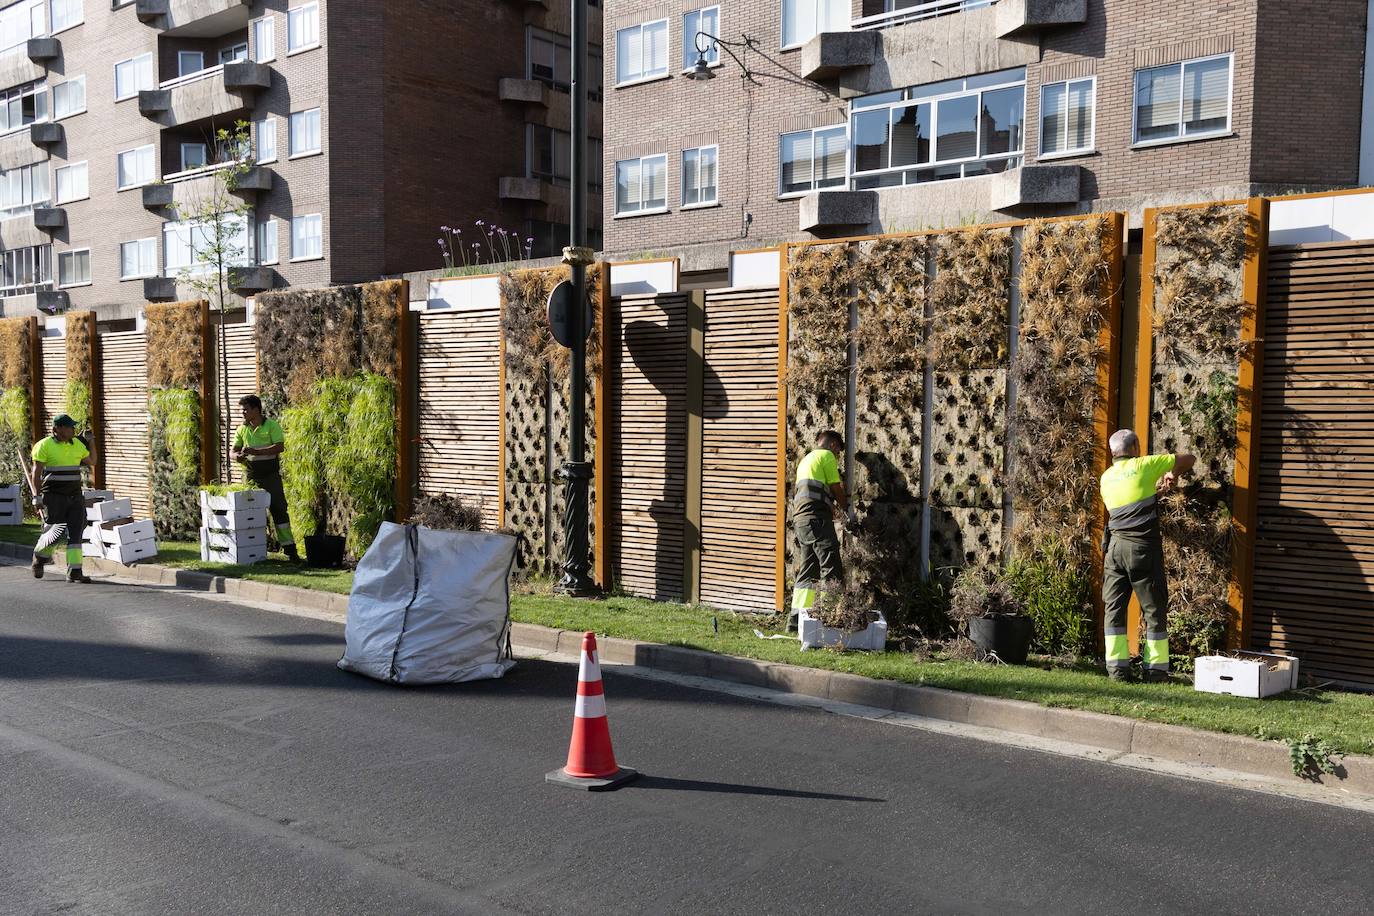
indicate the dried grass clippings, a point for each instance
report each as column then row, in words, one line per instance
column 80, row 347
column 16, row 355
column 175, row 349
column 1199, row 307
column 972, row 299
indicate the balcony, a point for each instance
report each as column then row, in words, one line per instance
column 160, row 289
column 1016, row 18
column 529, row 190
column 49, row 219
column 185, row 190
column 525, row 92
column 1035, row 185
column 210, row 93
column 44, row 50
column 251, row 279
column 46, row 134
column 829, row 212
column 18, row 231
column 52, row 301
column 194, row 18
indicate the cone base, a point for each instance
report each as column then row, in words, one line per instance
column 604, row 784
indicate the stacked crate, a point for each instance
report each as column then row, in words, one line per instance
column 11, row 505
column 234, row 527
column 112, row 532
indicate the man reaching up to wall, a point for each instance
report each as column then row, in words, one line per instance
column 820, row 497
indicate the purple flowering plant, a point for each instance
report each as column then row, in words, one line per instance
column 495, row 251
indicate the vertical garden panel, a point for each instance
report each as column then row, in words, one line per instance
column 18, row 410
column 176, row 359
column 81, row 389
column 124, row 393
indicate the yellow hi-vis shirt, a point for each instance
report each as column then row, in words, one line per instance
column 815, row 473
column 61, row 464
column 265, row 434
column 1128, row 490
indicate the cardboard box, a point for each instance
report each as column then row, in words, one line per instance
column 813, row 634
column 1246, row 674
column 225, row 539
column 238, row 501
column 234, row 521
column 92, row 549
column 126, row 532
column 110, row 510
column 238, row 556
column 130, row 553
column 96, row 496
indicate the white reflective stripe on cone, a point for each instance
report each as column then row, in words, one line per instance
column 593, row 707
column 589, row 671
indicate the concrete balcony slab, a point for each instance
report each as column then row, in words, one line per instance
column 830, row 54
column 52, row 301
column 20, row 232
column 532, row 190
column 49, row 218
column 221, row 92
column 157, row 195
column 1025, row 17
column 18, row 69
column 160, row 289
column 822, row 212
column 194, row 18
column 251, row 279
column 46, row 134
column 525, row 92
column 17, row 149
column 42, row 50
column 1032, row 185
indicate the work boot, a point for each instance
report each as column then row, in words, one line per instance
column 74, row 574
column 291, row 554
column 1119, row 675
column 1153, row 676
column 792, row 622
column 37, row 566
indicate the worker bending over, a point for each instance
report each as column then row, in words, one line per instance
column 258, row 444
column 819, row 499
column 55, row 482
column 1133, row 553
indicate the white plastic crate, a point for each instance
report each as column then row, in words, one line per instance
column 96, row 496
column 110, row 510
column 12, row 505
column 238, row 556
column 130, row 553
column 1246, row 674
column 813, row 634
column 223, row 540
column 238, row 501
column 92, row 549
column 246, row 520
column 115, row 533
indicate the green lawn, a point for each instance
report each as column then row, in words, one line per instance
column 1346, row 720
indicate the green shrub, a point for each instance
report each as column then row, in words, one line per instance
column 15, row 433
column 174, row 459
column 224, row 489
column 76, row 403
column 1054, row 591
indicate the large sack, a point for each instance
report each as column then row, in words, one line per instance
column 431, row 607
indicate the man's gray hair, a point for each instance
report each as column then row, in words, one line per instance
column 1124, row 443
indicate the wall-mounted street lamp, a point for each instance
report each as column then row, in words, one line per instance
column 705, row 43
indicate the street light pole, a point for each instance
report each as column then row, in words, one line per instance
column 577, row 473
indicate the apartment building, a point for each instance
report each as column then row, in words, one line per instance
column 371, row 125
column 830, row 117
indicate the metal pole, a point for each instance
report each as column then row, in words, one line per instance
column 577, row 473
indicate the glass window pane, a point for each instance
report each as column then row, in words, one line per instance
column 629, row 52
column 1080, row 114
column 1003, row 119
column 871, row 140
column 1207, row 88
column 1053, row 99
column 691, row 178
column 707, row 175
column 834, row 16
column 627, row 186
column 264, row 39
column 656, row 49
column 1156, row 103
column 655, row 183
column 798, row 21
column 956, row 124
column 795, row 154
column 832, row 153
column 911, row 135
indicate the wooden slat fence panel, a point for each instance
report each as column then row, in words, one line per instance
column 54, row 368
column 1314, row 555
column 460, row 407
column 125, row 376
column 740, row 450
column 240, row 346
column 647, row 473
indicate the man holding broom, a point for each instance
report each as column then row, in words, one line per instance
column 55, row 482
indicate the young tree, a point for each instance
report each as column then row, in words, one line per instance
column 216, row 223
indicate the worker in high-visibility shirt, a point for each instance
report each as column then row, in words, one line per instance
column 1133, row 553
column 819, row 498
column 258, row 444
column 55, row 481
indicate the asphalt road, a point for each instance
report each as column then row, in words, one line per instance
column 160, row 753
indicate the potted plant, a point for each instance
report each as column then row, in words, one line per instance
column 994, row 614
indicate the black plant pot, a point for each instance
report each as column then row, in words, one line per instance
column 1009, row 637
column 324, row 551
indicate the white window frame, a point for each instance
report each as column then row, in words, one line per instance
column 1040, row 125
column 689, row 41
column 615, row 176
column 38, row 90
column 229, row 55
column 682, row 165
column 296, row 259
column 298, row 10
column 151, row 243
column 788, row 195
column 57, row 183
column 267, row 127
column 152, row 155
column 256, row 50
column 67, row 254
column 291, row 151
column 667, row 53
column 1181, row 137
column 819, row 4
column 152, row 83
column 52, row 108
column 80, row 18
column 269, row 229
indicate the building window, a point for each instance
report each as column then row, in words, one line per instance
column 267, row 242
column 22, row 106
column 136, row 167
column 74, row 267
column 641, row 52
column 72, row 182
column 699, row 176
column 23, row 188
column 187, row 246
column 25, row 270
column 641, row 185
column 233, row 54
column 550, row 62
column 189, row 62
column 307, row 242
column 67, row 13
column 812, row 159
column 1183, row 101
column 138, row 259
column 21, row 21
column 305, row 133
column 264, row 39
column 704, row 20
column 550, row 155
column 193, row 156
column 1066, row 117
column 265, row 136
column 803, row 20
column 954, row 129
column 133, row 76
column 69, row 98
column 303, row 28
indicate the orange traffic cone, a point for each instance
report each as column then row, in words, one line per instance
column 591, row 761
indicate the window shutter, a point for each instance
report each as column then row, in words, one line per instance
column 1157, row 96
column 1208, row 86
column 831, row 152
column 1080, row 114
column 656, row 175
column 1052, row 103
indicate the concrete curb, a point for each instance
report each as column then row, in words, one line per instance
column 1115, row 734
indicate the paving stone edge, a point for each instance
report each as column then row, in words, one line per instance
column 1115, row 734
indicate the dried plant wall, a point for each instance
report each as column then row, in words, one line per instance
column 175, row 366
column 16, row 397
column 537, row 398
column 76, row 396
column 1198, row 309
